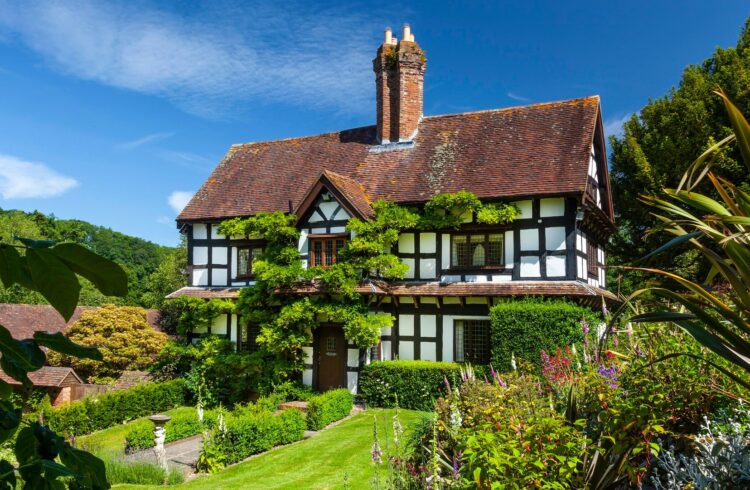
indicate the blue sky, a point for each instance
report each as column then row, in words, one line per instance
column 115, row 113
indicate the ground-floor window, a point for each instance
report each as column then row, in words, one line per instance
column 248, row 337
column 472, row 341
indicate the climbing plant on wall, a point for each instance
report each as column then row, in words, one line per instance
column 288, row 318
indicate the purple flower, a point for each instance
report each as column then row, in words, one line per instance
column 604, row 307
column 501, row 382
column 485, row 380
column 585, row 327
column 609, row 374
column 447, row 384
column 492, row 371
column 456, row 467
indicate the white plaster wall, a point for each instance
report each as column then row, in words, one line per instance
column 475, row 278
column 405, row 325
column 502, row 278
column 428, row 351
column 219, row 255
column 308, row 353
column 406, row 243
column 385, row 347
column 352, row 357
column 200, row 255
column 200, row 277
column 351, row 382
column 427, row 268
column 427, row 243
column 303, row 243
column 449, row 278
column 219, row 326
column 342, row 214
column 479, row 300
column 549, row 207
column 554, row 238
column 328, row 207
column 428, row 325
column 530, row 266
column 215, row 232
column 200, row 231
column 338, row 229
column 233, row 331
column 530, row 239
column 409, row 273
column 508, row 249
column 315, row 217
column 316, row 231
column 219, row 277
column 406, row 350
column 445, row 242
column 525, row 208
column 233, row 271
column 307, row 377
column 556, row 265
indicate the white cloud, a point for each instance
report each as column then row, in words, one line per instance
column 614, row 126
column 151, row 138
column 21, row 179
column 179, row 199
column 519, row 98
column 213, row 62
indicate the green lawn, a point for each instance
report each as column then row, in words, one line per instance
column 321, row 462
column 112, row 440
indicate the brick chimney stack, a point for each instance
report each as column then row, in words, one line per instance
column 399, row 80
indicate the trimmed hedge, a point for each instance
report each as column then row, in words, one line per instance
column 414, row 384
column 252, row 433
column 115, row 407
column 141, row 434
column 329, row 407
column 523, row 327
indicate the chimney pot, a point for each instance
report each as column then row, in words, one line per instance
column 388, row 36
column 407, row 33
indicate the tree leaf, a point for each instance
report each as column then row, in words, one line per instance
column 13, row 268
column 27, row 446
column 19, row 356
column 8, row 480
column 673, row 242
column 54, row 280
column 108, row 277
column 62, row 344
column 34, row 243
column 90, row 468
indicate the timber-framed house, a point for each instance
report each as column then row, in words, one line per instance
column 549, row 159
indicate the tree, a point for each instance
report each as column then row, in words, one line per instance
column 124, row 337
column 659, row 143
column 170, row 276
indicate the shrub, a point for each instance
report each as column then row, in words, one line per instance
column 252, row 433
column 115, row 407
column 410, row 384
column 523, row 327
column 123, row 335
column 329, row 407
column 141, row 434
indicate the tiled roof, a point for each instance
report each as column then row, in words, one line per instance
column 23, row 320
column 353, row 191
column 540, row 149
column 47, row 376
column 514, row 288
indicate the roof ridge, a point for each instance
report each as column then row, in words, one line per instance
column 309, row 136
column 517, row 107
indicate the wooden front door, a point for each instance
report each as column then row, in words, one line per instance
column 330, row 357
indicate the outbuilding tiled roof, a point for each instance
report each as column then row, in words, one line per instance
column 46, row 377
column 23, row 320
column 535, row 150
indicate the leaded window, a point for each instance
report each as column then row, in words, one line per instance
column 472, row 341
column 324, row 251
column 477, row 250
column 245, row 258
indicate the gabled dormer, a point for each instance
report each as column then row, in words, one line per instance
column 323, row 214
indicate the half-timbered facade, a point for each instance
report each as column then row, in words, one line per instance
column 548, row 159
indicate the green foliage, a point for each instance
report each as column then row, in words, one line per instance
column 141, row 434
column 197, row 313
column 657, row 146
column 124, row 337
column 448, row 210
column 139, row 258
column 328, row 407
column 169, row 276
column 524, row 327
column 408, row 384
column 139, row 472
column 251, row 433
column 717, row 230
column 115, row 407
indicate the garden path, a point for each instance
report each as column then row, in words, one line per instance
column 182, row 454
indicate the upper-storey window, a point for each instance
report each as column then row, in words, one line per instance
column 324, row 251
column 245, row 257
column 592, row 258
column 477, row 250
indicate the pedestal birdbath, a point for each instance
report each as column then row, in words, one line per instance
column 160, row 434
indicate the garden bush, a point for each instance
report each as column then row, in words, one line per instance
column 329, row 407
column 141, row 434
column 115, row 407
column 410, row 384
column 252, row 433
column 524, row 327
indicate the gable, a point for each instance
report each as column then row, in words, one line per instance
column 326, row 209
